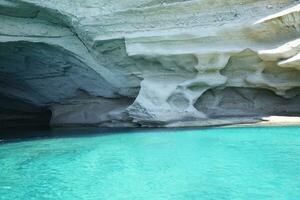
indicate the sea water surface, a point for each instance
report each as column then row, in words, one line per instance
column 213, row 164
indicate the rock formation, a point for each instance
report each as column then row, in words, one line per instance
column 148, row 62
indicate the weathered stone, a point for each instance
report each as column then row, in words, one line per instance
column 148, row 62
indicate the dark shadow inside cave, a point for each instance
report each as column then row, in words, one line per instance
column 17, row 113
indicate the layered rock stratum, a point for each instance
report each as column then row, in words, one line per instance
column 148, row 62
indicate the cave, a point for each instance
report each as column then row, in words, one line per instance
column 20, row 103
column 35, row 75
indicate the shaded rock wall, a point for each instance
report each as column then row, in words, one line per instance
column 147, row 62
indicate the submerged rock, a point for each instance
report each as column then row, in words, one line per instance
column 147, row 62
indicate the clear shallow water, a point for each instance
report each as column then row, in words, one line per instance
column 213, row 164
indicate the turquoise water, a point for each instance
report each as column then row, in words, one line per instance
column 213, row 164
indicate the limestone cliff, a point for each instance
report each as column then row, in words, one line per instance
column 148, row 62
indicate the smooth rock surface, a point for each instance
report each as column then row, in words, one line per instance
column 148, row 62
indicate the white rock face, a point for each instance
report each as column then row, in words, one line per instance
column 148, row 62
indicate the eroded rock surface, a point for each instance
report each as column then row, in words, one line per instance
column 148, row 62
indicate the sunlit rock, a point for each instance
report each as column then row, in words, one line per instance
column 147, row 62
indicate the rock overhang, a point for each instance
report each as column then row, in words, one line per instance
column 149, row 63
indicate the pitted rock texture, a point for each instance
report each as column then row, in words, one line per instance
column 148, row 62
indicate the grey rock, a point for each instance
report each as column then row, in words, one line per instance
column 148, row 62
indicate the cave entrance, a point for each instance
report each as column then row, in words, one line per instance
column 36, row 75
column 25, row 72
